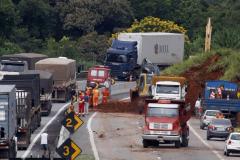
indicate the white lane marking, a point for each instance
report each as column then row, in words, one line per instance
column 125, row 99
column 91, row 137
column 205, row 143
column 43, row 129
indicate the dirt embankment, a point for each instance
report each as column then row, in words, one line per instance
column 196, row 76
column 122, row 107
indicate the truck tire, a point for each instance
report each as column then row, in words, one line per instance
column 145, row 143
column 177, row 144
column 208, row 137
column 202, row 126
column 184, row 141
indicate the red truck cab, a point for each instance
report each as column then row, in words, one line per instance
column 166, row 122
column 99, row 74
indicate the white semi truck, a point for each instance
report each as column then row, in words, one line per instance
column 129, row 50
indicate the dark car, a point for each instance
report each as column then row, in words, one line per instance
column 219, row 128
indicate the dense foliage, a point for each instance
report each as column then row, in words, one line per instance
column 80, row 29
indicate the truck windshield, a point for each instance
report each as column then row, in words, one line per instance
column 118, row 58
column 167, row 89
column 12, row 67
column 162, row 112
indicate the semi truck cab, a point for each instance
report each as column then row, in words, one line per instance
column 122, row 58
column 166, row 122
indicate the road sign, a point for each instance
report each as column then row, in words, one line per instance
column 72, row 122
column 69, row 150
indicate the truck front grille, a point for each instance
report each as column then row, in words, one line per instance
column 161, row 126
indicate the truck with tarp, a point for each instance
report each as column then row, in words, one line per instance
column 27, row 103
column 227, row 101
column 29, row 60
column 8, row 122
column 64, row 76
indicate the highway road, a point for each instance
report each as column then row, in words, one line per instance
column 117, row 136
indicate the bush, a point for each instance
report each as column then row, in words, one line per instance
column 152, row 24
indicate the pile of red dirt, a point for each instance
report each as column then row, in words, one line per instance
column 122, row 107
column 197, row 76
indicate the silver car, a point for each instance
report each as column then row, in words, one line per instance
column 206, row 118
column 219, row 128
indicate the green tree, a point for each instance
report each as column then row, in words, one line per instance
column 38, row 17
column 84, row 16
column 8, row 18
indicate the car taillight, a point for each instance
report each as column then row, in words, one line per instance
column 230, row 142
column 230, row 129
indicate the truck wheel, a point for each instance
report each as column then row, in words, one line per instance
column 177, row 144
column 145, row 143
column 227, row 153
column 208, row 137
column 184, row 141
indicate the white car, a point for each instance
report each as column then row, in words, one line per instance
column 206, row 118
column 232, row 144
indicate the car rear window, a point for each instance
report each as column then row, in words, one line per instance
column 235, row 137
column 211, row 113
column 221, row 122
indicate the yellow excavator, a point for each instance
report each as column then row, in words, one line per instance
column 143, row 88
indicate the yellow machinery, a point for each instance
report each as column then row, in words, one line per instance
column 145, row 82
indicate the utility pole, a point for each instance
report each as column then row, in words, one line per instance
column 208, row 36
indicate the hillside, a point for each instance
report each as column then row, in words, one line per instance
column 219, row 64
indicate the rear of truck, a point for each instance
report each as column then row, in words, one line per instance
column 166, row 122
column 228, row 103
column 27, row 103
column 8, row 123
column 64, row 76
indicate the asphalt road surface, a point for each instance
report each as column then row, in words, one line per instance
column 117, row 136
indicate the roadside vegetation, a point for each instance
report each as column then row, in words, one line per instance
column 228, row 63
column 81, row 29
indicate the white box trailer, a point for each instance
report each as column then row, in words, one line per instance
column 160, row 48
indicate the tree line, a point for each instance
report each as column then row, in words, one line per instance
column 81, row 29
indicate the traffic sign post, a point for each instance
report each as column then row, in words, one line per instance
column 72, row 122
column 69, row 150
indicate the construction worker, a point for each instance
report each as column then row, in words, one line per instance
column 95, row 96
column 212, row 94
column 105, row 94
column 81, row 104
column 219, row 91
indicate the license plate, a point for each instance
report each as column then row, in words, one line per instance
column 221, row 129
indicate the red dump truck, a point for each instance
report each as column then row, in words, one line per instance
column 166, row 122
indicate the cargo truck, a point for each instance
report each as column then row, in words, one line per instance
column 228, row 103
column 166, row 122
column 46, row 88
column 8, row 122
column 129, row 50
column 64, row 76
column 29, row 58
column 28, row 105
